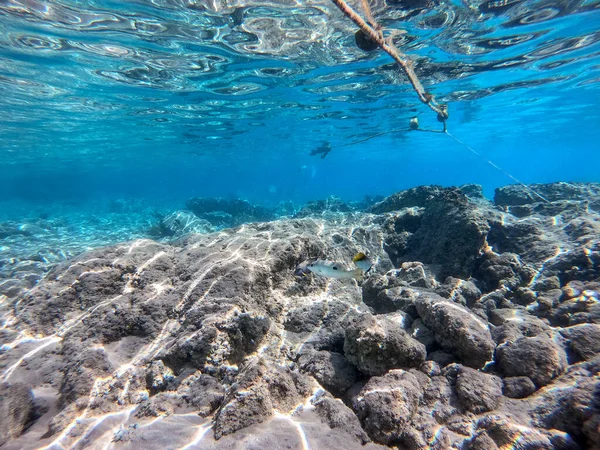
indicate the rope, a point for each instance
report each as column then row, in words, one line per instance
column 499, row 168
column 387, row 46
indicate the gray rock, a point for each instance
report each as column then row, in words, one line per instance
column 386, row 404
column 452, row 234
column 457, row 330
column 179, row 223
column 502, row 430
column 330, row 369
column 16, row 409
column 503, row 270
column 396, row 298
column 440, row 357
column 575, row 410
column 538, row 358
column 376, row 344
column 305, row 318
column 473, row 191
column 584, row 340
column 417, row 196
column 203, row 392
column 413, row 274
column 518, row 195
column 478, row 392
column 482, row 441
column 338, row 415
column 459, row 291
column 512, row 324
column 518, row 387
column 158, row 376
column 251, row 406
column 260, row 391
column 421, row 333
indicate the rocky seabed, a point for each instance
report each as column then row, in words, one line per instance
column 478, row 328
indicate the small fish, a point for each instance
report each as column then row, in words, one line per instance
column 363, row 262
column 332, row 269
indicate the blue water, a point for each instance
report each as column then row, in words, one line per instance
column 164, row 100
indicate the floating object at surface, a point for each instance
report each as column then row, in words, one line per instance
column 364, row 42
column 414, row 123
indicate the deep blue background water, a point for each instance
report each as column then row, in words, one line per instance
column 94, row 111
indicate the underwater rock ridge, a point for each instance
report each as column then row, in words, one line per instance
column 481, row 333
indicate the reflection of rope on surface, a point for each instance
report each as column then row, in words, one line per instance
column 373, row 33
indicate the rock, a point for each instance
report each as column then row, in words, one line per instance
column 418, row 196
column 158, row 376
column 546, row 284
column 459, row 291
column 581, row 263
column 413, row 274
column 512, row 324
column 202, row 392
column 585, row 308
column 305, row 318
column 322, row 324
column 321, row 208
column 538, row 358
column 16, row 408
column 440, row 357
column 503, row 270
column 338, row 415
column 431, row 368
column 451, row 231
column 478, row 392
column 457, row 330
column 473, row 191
column 519, row 195
column 482, row 441
column 156, row 406
column 451, row 234
column 524, row 237
column 575, row 410
column 421, row 333
column 261, row 390
column 245, row 408
column 237, row 211
column 381, row 294
column 376, row 344
column 179, row 223
column 502, row 430
column 330, row 369
column 386, row 404
column 584, row 340
column 518, row 387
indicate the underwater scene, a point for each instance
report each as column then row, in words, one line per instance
column 300, row 224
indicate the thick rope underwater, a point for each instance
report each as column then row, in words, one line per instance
column 403, row 61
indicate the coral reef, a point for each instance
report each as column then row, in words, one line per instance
column 477, row 329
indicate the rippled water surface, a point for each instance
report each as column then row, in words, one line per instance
column 229, row 97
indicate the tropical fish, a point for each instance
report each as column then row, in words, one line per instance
column 333, row 269
column 363, row 262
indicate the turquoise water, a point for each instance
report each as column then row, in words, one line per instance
column 164, row 100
